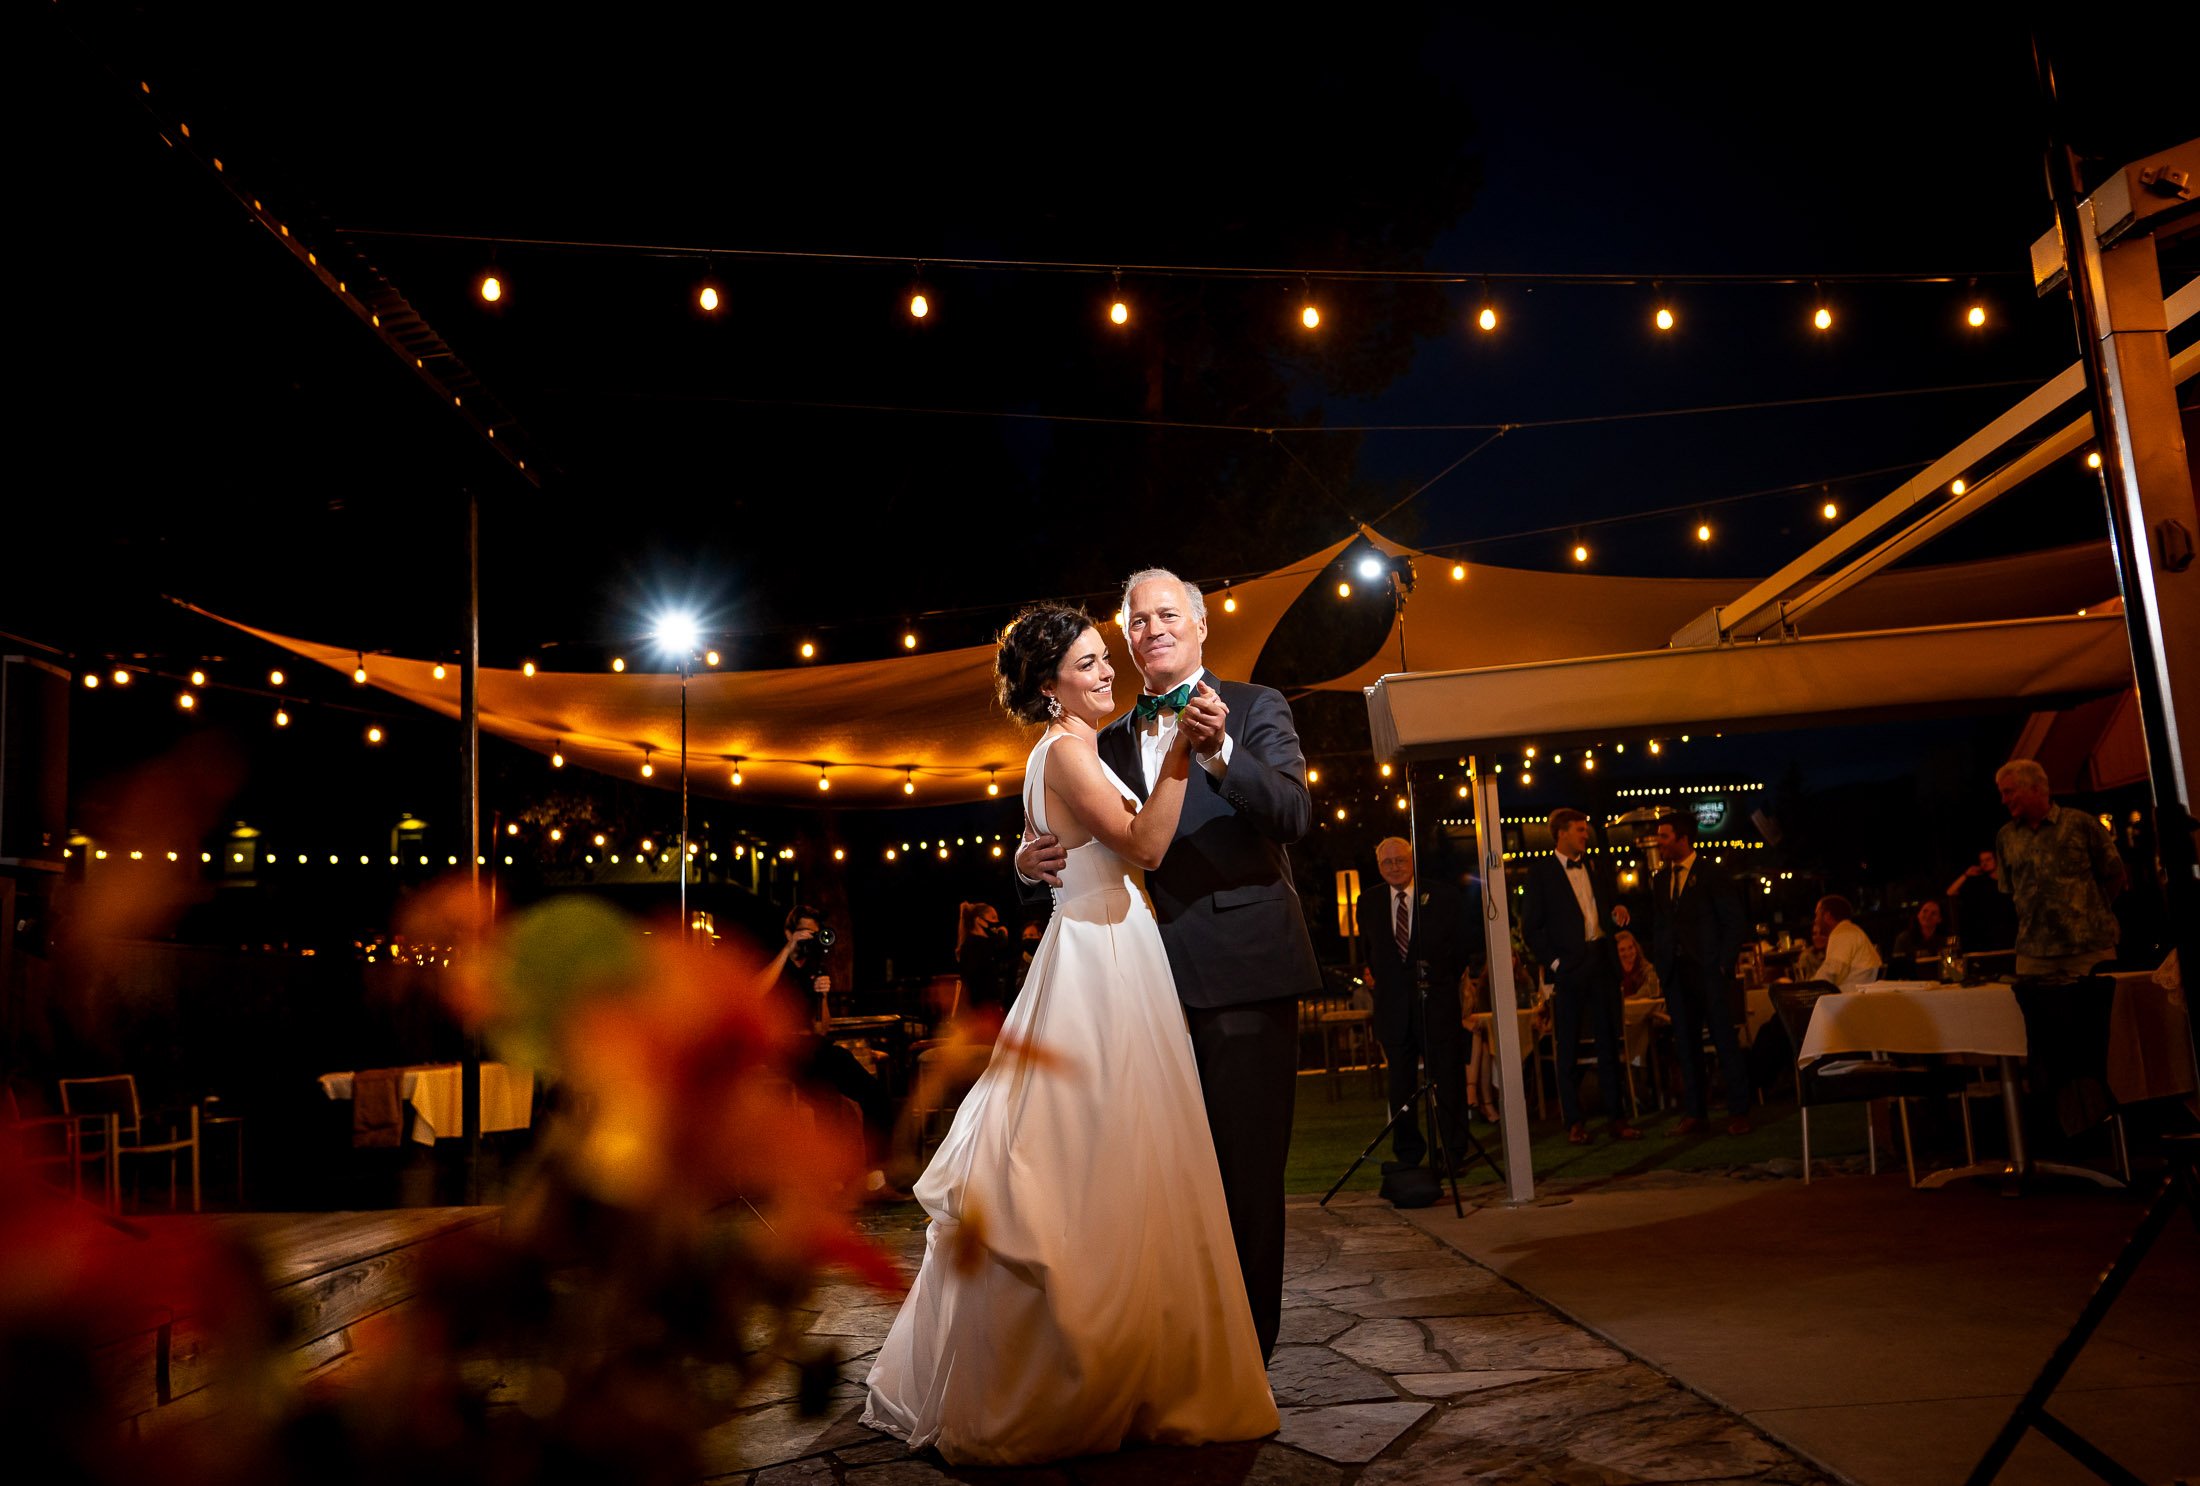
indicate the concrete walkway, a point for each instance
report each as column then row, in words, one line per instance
column 1401, row 1362
column 1881, row 1331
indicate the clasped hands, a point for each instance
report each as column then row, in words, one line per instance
column 1200, row 727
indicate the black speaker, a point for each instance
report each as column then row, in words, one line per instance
column 34, row 761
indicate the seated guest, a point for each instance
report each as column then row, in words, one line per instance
column 1918, row 947
column 1851, row 960
column 1812, row 955
column 1638, row 978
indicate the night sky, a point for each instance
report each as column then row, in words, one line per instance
column 204, row 421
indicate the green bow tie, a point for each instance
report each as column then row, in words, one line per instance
column 1173, row 702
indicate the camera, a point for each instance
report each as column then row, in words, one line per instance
column 824, row 940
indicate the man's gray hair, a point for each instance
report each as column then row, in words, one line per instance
column 1192, row 599
column 2024, row 770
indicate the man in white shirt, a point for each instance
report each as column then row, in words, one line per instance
column 1851, row 959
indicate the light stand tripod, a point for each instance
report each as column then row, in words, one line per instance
column 1427, row 1096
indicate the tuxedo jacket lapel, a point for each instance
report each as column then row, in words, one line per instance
column 1119, row 751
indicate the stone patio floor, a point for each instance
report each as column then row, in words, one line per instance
column 1400, row 1362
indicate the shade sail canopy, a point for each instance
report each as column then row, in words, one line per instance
column 1506, row 616
column 1864, row 677
column 866, row 727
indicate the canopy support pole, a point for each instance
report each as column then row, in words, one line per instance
column 1489, row 839
column 2146, row 480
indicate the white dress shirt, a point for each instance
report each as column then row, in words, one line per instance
column 1577, row 878
column 1851, row 959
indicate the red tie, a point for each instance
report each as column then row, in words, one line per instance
column 1405, row 930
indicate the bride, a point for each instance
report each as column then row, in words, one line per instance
column 1079, row 1288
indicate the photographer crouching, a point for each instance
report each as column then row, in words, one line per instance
column 801, row 979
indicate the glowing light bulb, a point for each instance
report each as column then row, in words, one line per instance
column 1526, row 777
column 707, row 297
column 1119, row 312
column 1344, row 590
column 1654, row 745
column 1386, row 771
column 186, row 701
column 909, row 642
column 2093, row 460
column 1313, row 776
column 527, row 668
column 736, row 776
column 649, row 770
column 993, row 786
column 839, row 854
column 282, row 718
column 1487, row 319
column 1823, row 319
column 1976, row 317
column 1340, row 812
column 710, row 657
column 1310, row 317
column 1458, row 572
column 1703, row 532
column 556, row 834
column 1665, row 318
column 1581, row 554
column 557, row 759
column 618, row 663
column 122, row 677
column 1229, row 604
column 891, row 854
column 512, row 828
column 599, row 839
column 919, row 306
column 374, row 735
column 809, row 650
column 274, row 678
column 1957, row 488
column 648, row 845
column 492, row 288
column 359, row 674
column 1829, row 510
column 91, row 682
column 198, row 678
column 439, row 673
column 823, row 783
column 909, row 785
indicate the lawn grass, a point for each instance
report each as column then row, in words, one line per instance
column 1327, row 1133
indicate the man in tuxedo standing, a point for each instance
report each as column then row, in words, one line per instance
column 1697, row 926
column 1422, row 935
column 1229, row 914
column 1571, row 909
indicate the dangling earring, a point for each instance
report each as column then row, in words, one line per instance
column 1054, row 707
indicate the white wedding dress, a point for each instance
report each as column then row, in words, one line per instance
column 1079, row 1289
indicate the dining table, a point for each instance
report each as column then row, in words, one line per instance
column 436, row 1094
column 1924, row 1016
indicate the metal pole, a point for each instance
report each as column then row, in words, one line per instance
column 683, row 797
column 1489, row 838
column 2127, row 362
column 469, row 747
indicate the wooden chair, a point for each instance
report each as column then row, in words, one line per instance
column 116, row 1095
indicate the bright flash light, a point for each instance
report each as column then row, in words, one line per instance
column 677, row 633
column 1310, row 317
column 1487, row 319
column 707, row 297
column 1976, row 317
column 919, row 306
column 1371, row 567
column 1823, row 319
column 1119, row 312
column 1665, row 318
column 492, row 288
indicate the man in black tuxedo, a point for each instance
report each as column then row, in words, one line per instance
column 1567, row 921
column 1229, row 914
column 1418, row 933
column 1697, row 924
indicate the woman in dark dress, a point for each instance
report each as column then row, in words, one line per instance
column 983, row 959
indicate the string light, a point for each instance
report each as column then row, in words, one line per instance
column 492, row 288
column 909, row 782
column 710, row 657
column 1654, row 745
column 511, row 828
column 1488, row 318
column 556, row 834
column 1340, row 812
column 1458, row 572
column 122, row 677
column 824, row 783
column 1703, row 531
column 1977, row 316
column 1313, row 776
column 737, row 773
column 992, row 782
column 91, row 682
column 891, row 854
column 557, row 757
column 1344, row 590
column 599, row 838
column 374, row 735
column 1822, row 317
column 1581, row 553
column 1664, row 317
column 527, row 668
column 706, row 298
column 618, row 664
column 1229, row 603
column 359, row 671
column 274, row 678
column 648, row 770
column 996, row 850
column 909, row 641
column 809, row 650
column 1385, row 771
column 2093, row 459
column 282, row 718
column 198, row 678
column 439, row 673
column 1526, row 777
column 186, row 701
column 839, row 854
column 1830, row 511
column 648, row 846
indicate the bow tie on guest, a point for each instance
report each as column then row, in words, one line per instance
column 1573, row 864
column 1171, row 702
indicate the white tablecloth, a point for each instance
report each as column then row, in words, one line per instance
column 1917, row 1017
column 436, row 1095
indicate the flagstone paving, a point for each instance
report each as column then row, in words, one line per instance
column 1400, row 1363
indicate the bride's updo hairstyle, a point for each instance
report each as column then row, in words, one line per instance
column 1031, row 652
